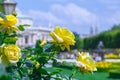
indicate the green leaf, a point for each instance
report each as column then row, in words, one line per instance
column 54, row 73
column 57, row 78
column 58, row 69
column 21, row 27
column 2, row 35
column 16, row 75
column 47, row 46
column 43, row 54
column 24, row 69
column 5, row 77
column 43, row 60
column 10, row 40
column 29, row 63
column 43, row 71
column 2, row 16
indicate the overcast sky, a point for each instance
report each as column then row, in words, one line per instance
column 76, row 15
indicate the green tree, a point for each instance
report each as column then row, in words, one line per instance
column 110, row 38
column 79, row 42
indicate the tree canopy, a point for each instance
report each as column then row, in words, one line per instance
column 110, row 38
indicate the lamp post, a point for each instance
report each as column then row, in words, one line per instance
column 9, row 6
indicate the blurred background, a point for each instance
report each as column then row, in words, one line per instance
column 95, row 24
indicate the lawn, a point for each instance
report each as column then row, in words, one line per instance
column 86, row 76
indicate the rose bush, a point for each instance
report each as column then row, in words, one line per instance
column 30, row 63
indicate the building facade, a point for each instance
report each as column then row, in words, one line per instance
column 32, row 33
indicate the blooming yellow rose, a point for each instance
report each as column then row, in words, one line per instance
column 9, row 22
column 43, row 42
column 87, row 62
column 63, row 36
column 37, row 65
column 10, row 54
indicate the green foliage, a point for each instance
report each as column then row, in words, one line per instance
column 115, row 27
column 79, row 42
column 10, row 40
column 110, row 38
column 21, row 27
column 47, row 46
column 27, row 67
column 2, row 36
column 5, row 77
column 38, row 47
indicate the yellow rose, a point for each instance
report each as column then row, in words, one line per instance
column 86, row 60
column 37, row 65
column 43, row 42
column 63, row 37
column 10, row 54
column 9, row 22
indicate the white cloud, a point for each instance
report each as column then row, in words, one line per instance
column 105, row 22
column 72, row 16
column 47, row 16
